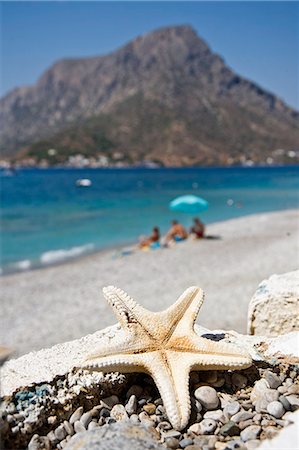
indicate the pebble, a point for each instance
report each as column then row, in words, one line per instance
column 207, row 426
column 109, row 402
column 160, row 409
column 282, row 389
column 195, row 428
column 245, row 423
column 96, row 411
column 230, row 429
column 76, row 415
column 258, row 390
column 143, row 416
column 272, row 379
column 149, row 408
column 293, row 401
column 207, row 396
column 51, row 436
column 215, row 415
column 52, row 420
column 135, row 389
column 251, row 432
column 105, row 412
column 210, row 376
column 118, row 412
column 78, row 427
column 110, row 420
column 68, row 428
column 39, row 442
column 219, row 383
column 185, row 442
column 164, row 426
column 60, row 432
column 85, row 419
column 92, row 425
column 239, row 380
column 241, row 416
column 276, row 409
column 257, row 417
column 293, row 389
column 10, row 418
column 131, row 406
column 247, row 405
column 172, row 443
column 172, row 434
column 231, row 408
column 270, row 395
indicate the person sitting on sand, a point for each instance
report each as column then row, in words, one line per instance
column 198, row 228
column 176, row 233
column 152, row 240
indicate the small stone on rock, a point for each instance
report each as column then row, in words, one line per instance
column 85, row 419
column 172, row 443
column 109, row 402
column 230, row 429
column 276, row 409
column 39, row 443
column 207, row 396
column 239, row 380
column 251, row 432
column 185, row 442
column 131, row 406
column 231, row 408
column 207, row 426
column 118, row 412
column 78, row 427
column 242, row 415
column 135, row 389
column 272, row 379
column 76, row 415
column 149, row 408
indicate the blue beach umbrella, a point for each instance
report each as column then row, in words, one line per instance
column 188, row 204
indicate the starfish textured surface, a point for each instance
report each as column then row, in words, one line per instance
column 164, row 345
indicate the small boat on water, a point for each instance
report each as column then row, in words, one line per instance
column 83, row 182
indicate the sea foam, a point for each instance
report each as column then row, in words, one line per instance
column 60, row 255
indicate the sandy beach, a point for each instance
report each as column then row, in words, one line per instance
column 47, row 306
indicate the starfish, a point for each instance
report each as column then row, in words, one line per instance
column 165, row 346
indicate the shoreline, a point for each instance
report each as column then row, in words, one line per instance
column 109, row 249
column 58, row 303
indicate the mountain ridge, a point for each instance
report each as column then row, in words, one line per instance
column 169, row 73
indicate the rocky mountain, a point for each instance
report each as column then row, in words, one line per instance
column 164, row 96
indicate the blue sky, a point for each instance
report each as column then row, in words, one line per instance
column 259, row 40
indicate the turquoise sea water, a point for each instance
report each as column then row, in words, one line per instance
column 46, row 218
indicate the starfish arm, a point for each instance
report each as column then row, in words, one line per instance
column 170, row 372
column 127, row 311
column 181, row 316
column 117, row 363
column 208, row 354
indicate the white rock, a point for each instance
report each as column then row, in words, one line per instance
column 273, row 310
column 207, row 396
column 276, row 409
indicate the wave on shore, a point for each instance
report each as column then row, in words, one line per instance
column 48, row 258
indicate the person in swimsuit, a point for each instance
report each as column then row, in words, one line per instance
column 151, row 241
column 176, row 233
column 198, row 228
